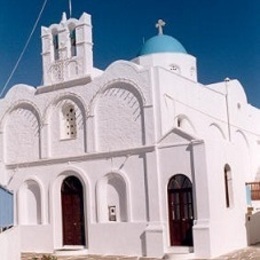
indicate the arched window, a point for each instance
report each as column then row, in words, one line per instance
column 73, row 48
column 55, row 39
column 228, row 186
column 68, row 122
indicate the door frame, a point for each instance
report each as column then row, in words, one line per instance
column 189, row 186
column 55, row 214
column 80, row 210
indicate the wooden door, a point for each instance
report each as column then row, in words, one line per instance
column 180, row 204
column 72, row 212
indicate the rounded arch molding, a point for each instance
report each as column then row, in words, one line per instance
column 21, row 132
column 118, row 116
column 244, row 137
column 176, row 176
column 60, row 100
column 219, row 130
column 58, row 27
column 21, row 104
column 184, row 122
column 126, row 84
column 57, row 127
column 70, row 171
column 55, row 207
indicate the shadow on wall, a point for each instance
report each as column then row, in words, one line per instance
column 253, row 227
column 143, row 243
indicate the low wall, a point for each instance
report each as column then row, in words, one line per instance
column 10, row 244
column 253, row 228
column 117, row 238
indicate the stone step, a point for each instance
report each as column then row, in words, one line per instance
column 179, row 256
column 39, row 256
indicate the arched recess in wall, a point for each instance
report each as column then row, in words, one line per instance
column 216, row 133
column 112, row 199
column 66, row 126
column 119, row 118
column 30, row 203
column 22, row 134
column 183, row 122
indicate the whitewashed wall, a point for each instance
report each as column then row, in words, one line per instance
column 10, row 244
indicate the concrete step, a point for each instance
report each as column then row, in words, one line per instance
column 179, row 256
column 63, row 256
column 71, row 251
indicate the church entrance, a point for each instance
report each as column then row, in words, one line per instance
column 180, row 204
column 73, row 220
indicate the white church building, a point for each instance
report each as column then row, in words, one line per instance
column 139, row 159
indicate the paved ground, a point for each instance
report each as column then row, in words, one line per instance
column 249, row 253
column 252, row 252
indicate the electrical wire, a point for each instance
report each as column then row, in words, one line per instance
column 24, row 48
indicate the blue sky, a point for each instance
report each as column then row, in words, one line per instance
column 224, row 35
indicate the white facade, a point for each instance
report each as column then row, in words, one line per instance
column 129, row 135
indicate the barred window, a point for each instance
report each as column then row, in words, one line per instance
column 69, row 122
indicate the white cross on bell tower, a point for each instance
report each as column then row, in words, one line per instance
column 160, row 24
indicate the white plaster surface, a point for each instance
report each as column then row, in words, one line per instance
column 139, row 123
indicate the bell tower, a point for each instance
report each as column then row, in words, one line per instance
column 67, row 50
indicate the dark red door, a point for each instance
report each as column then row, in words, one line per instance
column 72, row 212
column 180, row 211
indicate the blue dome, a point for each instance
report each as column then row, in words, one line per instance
column 161, row 43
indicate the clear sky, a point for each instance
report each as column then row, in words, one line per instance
column 224, row 35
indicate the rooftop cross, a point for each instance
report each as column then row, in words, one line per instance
column 160, row 24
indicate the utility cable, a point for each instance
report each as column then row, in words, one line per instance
column 24, row 48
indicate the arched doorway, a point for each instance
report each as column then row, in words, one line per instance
column 180, row 203
column 73, row 220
